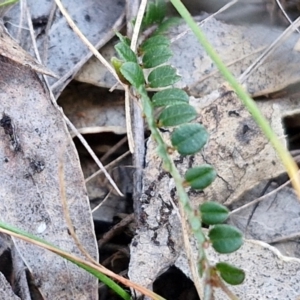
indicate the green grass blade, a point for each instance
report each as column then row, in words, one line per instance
column 105, row 279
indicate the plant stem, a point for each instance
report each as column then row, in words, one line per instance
column 184, row 202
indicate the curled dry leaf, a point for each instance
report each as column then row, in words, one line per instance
column 10, row 48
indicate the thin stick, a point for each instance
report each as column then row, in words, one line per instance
column 257, row 200
column 86, row 41
column 285, row 238
column 115, row 230
column 23, row 5
column 67, row 216
column 107, row 65
column 102, row 202
column 285, row 14
column 105, row 39
column 131, row 143
column 107, row 166
column 137, row 124
column 228, row 64
column 223, row 8
column 47, row 29
column 128, row 103
column 137, row 26
column 132, row 7
column 69, row 123
column 258, row 62
column 92, row 153
column 114, row 148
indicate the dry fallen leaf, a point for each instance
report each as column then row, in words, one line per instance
column 63, row 51
column 6, row 291
column 93, row 110
column 34, row 143
column 238, row 47
column 10, row 48
column 269, row 274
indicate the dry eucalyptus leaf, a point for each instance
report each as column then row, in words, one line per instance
column 275, row 217
column 93, row 72
column 34, row 144
column 269, row 274
column 20, row 269
column 94, row 110
column 65, row 52
column 13, row 268
column 9, row 48
column 6, row 291
column 238, row 47
column 6, row 281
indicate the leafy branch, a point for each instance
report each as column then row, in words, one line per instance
column 187, row 138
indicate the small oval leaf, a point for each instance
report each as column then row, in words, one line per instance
column 155, row 12
column 123, row 39
column 230, row 274
column 163, row 76
column 200, row 177
column 156, row 56
column 189, row 138
column 133, row 73
column 117, row 64
column 125, row 52
column 167, row 24
column 170, row 96
column 155, row 41
column 225, row 238
column 177, row 114
column 213, row 213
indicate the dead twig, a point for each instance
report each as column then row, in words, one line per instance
column 115, row 230
column 69, row 123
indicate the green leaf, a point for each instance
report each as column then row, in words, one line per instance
column 163, row 76
column 225, row 238
column 117, row 64
column 200, row 177
column 133, row 73
column 170, row 96
column 213, row 213
column 230, row 274
column 189, row 138
column 123, row 39
column 177, row 114
column 125, row 52
column 156, row 56
column 155, row 13
column 167, row 24
column 154, row 41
